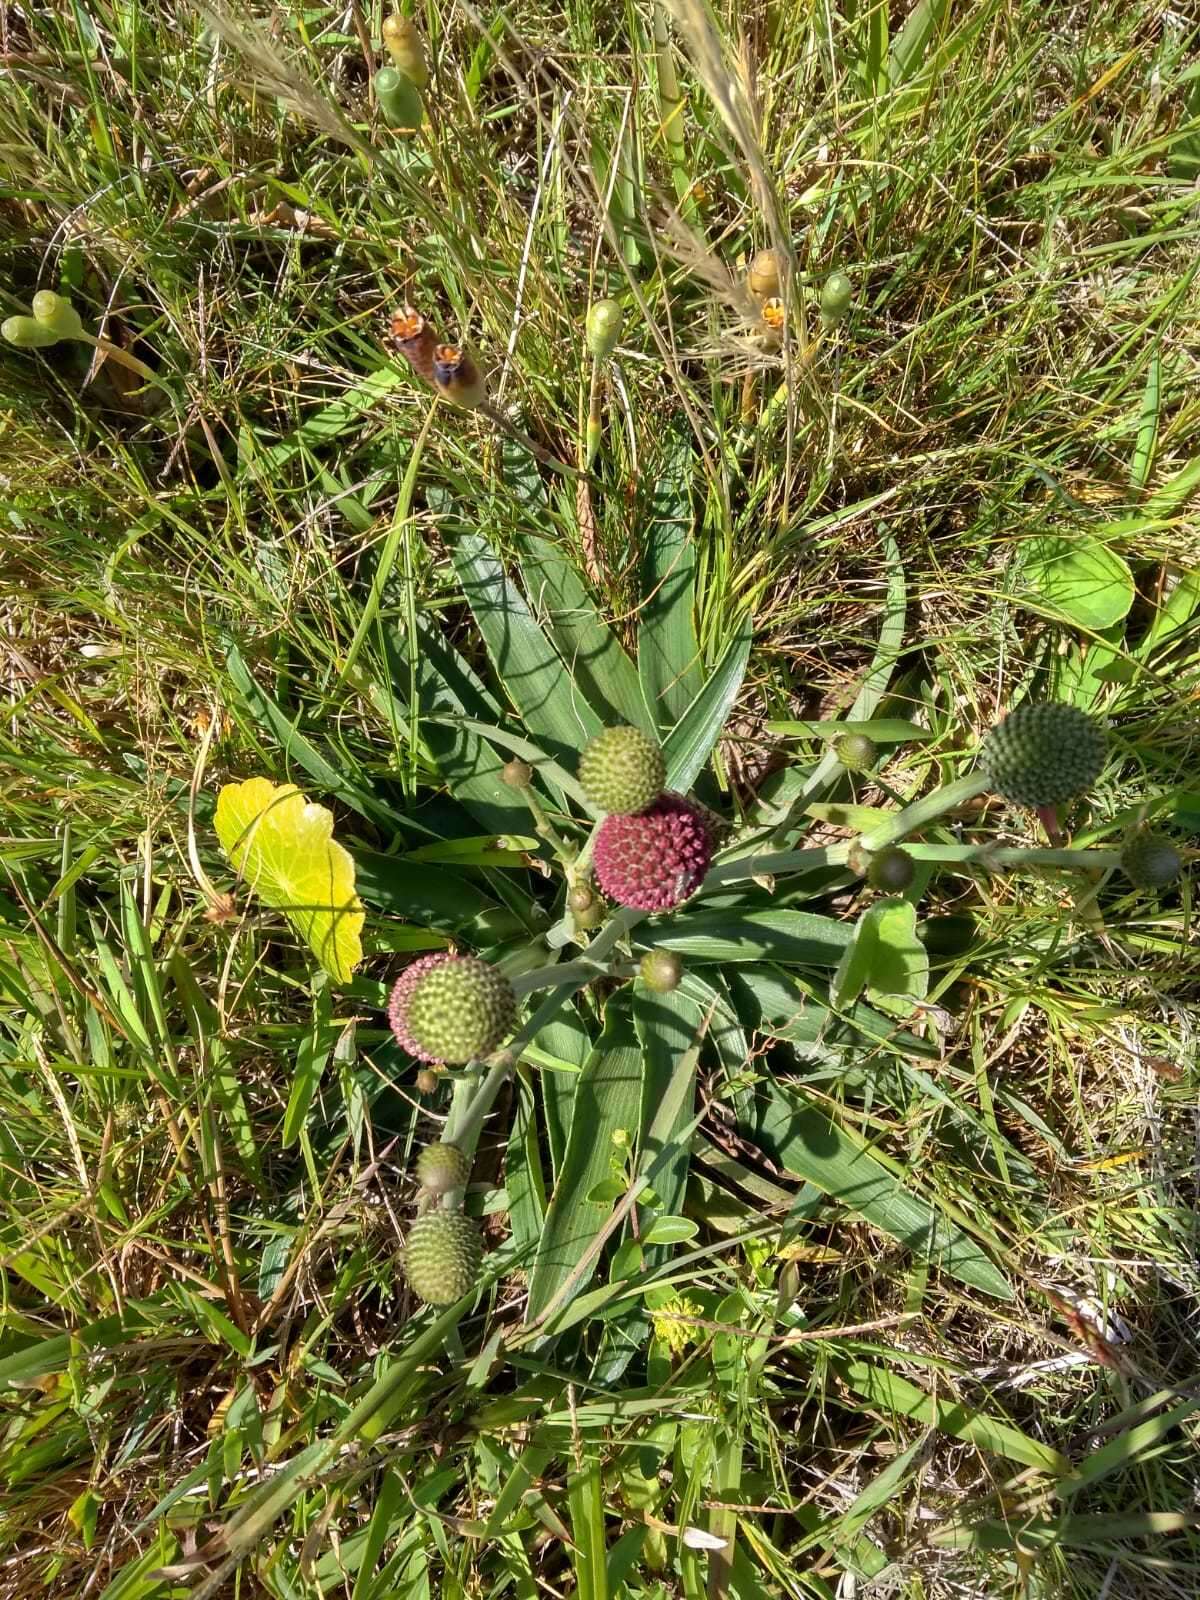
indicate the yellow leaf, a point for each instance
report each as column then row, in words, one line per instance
column 283, row 846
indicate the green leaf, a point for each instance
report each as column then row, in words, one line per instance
column 283, row 847
column 689, row 744
column 607, row 1097
column 1077, row 579
column 669, row 664
column 887, row 730
column 430, row 895
column 1147, row 436
column 925, row 23
column 810, row 1145
column 667, row 1026
column 895, row 1394
column 798, row 937
column 885, row 956
column 297, row 748
column 312, row 1053
column 670, row 1230
column 603, row 673
column 531, row 670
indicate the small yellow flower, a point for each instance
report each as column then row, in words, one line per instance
column 671, row 1331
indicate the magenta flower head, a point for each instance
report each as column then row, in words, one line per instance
column 451, row 1008
column 655, row 860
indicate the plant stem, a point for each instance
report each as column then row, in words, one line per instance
column 594, row 425
column 553, row 976
column 989, row 856
column 774, row 864
column 473, row 1098
column 927, row 809
column 113, row 352
column 545, row 829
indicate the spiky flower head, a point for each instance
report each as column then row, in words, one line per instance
column 891, row 871
column 856, row 752
column 442, row 1257
column 622, row 770
column 1043, row 755
column 654, row 861
column 451, row 1008
column 661, row 971
column 441, row 1168
column 1151, row 861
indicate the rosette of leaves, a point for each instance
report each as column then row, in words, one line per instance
column 788, row 957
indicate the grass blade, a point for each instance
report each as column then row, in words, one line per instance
column 669, row 663
column 607, row 1097
column 690, row 742
column 531, row 670
column 808, row 1144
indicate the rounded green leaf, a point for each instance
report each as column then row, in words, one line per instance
column 670, row 1230
column 1078, row 579
column 283, row 846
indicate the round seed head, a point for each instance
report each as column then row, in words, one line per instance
column 891, row 871
column 441, row 1168
column 763, row 277
column 661, row 971
column 1043, row 755
column 602, row 328
column 451, row 1008
column 836, row 298
column 442, row 1257
column 1151, row 861
column 622, row 770
column 517, row 774
column 856, row 752
column 654, row 861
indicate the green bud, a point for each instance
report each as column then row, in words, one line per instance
column 403, row 44
column 27, row 333
column 589, row 916
column 516, row 774
column 661, row 971
column 399, row 100
column 603, row 327
column 835, row 299
column 581, row 899
column 891, row 871
column 855, row 751
column 57, row 314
